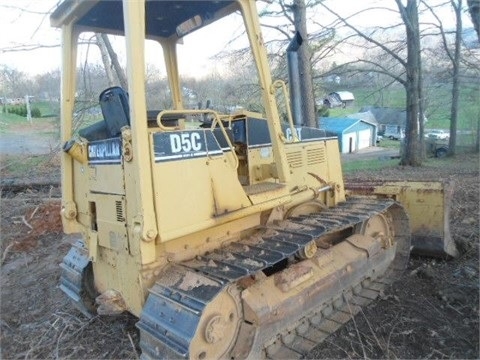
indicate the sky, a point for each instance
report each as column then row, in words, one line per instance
column 32, row 26
column 28, row 27
column 24, row 22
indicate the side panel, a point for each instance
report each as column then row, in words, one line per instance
column 110, row 222
column 306, row 159
column 334, row 173
column 99, row 194
column 80, row 191
column 194, row 182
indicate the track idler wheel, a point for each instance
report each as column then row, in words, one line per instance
column 218, row 327
column 378, row 227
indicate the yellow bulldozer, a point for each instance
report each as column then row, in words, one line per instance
column 236, row 238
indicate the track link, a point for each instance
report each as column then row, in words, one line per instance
column 174, row 307
column 76, row 279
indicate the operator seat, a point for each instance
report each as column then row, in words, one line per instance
column 115, row 109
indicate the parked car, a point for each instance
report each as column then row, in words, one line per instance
column 438, row 134
column 394, row 133
column 433, row 148
column 436, row 147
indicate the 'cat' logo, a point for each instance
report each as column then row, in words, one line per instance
column 289, row 135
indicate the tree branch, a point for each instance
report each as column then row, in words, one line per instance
column 366, row 37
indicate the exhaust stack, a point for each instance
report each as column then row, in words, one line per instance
column 294, row 78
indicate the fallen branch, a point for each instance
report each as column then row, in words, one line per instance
column 133, row 345
column 26, row 223
column 451, row 307
column 33, row 213
column 7, row 249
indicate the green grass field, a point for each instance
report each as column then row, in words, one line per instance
column 371, row 164
column 43, row 125
column 48, row 109
column 9, row 121
column 7, row 118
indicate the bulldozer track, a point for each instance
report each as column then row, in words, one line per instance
column 316, row 326
column 173, row 308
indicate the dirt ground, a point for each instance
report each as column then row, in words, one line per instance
column 432, row 312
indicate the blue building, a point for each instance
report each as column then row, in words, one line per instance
column 353, row 134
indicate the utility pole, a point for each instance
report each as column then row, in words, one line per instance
column 29, row 113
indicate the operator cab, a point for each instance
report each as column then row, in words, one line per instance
column 244, row 159
column 166, row 23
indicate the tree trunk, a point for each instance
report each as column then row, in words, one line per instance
column 116, row 65
column 474, row 9
column 421, row 110
column 412, row 155
column 306, row 82
column 452, row 143
column 105, row 59
column 477, row 141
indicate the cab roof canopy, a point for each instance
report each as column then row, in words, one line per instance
column 164, row 18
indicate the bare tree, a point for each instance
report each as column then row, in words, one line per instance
column 306, row 83
column 115, row 63
column 474, row 9
column 14, row 82
column 110, row 61
column 105, row 59
column 406, row 71
column 47, row 85
column 294, row 14
column 412, row 154
column 455, row 59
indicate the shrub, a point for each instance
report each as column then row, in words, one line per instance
column 21, row 110
column 35, row 112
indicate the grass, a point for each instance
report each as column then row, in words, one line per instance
column 389, row 144
column 444, row 164
column 371, row 164
column 342, row 112
column 380, row 164
column 8, row 121
column 47, row 108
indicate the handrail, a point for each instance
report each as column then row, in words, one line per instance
column 169, row 112
column 280, row 83
column 216, row 119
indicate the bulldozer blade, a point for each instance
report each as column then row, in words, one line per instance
column 428, row 207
